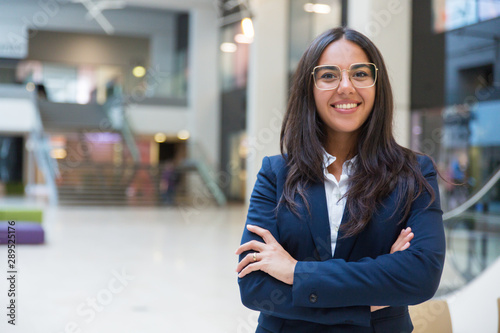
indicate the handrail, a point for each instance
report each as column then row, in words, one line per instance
column 116, row 115
column 200, row 160
column 41, row 151
column 38, row 142
column 474, row 199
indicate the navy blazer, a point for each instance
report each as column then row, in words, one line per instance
column 332, row 293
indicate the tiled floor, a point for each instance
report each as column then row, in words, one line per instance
column 106, row 270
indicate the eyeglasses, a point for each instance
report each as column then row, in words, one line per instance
column 328, row 77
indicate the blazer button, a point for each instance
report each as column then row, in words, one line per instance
column 313, row 298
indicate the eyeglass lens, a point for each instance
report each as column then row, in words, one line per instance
column 329, row 77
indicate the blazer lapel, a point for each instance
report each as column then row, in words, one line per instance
column 318, row 220
column 344, row 245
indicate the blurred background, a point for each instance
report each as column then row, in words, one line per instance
column 131, row 133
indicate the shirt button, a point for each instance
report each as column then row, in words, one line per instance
column 313, row 298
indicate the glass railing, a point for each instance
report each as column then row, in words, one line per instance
column 37, row 144
column 198, row 159
column 464, row 142
column 472, row 235
column 86, row 84
column 114, row 109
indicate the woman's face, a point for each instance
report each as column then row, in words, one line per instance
column 346, row 108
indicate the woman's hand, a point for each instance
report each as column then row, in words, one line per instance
column 401, row 244
column 403, row 241
column 269, row 257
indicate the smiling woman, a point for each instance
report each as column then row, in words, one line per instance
column 327, row 242
column 344, row 97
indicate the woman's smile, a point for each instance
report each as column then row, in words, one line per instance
column 346, row 106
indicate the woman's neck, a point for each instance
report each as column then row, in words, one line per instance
column 342, row 146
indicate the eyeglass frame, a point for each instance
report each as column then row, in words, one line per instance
column 343, row 70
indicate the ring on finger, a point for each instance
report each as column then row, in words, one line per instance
column 255, row 256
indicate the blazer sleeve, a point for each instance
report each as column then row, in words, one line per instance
column 262, row 292
column 402, row 278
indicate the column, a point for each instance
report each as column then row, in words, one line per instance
column 203, row 94
column 388, row 25
column 267, row 83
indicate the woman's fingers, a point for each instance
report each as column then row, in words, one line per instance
column 249, row 269
column 256, row 245
column 266, row 235
column 249, row 246
column 405, row 246
column 376, row 308
column 403, row 241
column 269, row 257
column 250, row 258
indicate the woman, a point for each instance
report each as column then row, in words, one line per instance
column 328, row 226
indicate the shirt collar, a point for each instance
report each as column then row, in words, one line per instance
column 329, row 159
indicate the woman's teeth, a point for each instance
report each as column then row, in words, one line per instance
column 346, row 106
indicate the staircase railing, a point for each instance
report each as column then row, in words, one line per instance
column 40, row 146
column 38, row 143
column 116, row 114
column 199, row 160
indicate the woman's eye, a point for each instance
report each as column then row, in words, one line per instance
column 360, row 74
column 329, row 76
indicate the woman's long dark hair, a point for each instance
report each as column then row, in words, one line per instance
column 381, row 164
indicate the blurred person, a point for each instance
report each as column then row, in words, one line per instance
column 457, row 173
column 326, row 247
column 168, row 182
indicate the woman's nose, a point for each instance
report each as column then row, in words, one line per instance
column 345, row 85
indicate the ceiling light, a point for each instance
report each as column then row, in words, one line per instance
column 160, row 137
column 247, row 27
column 228, row 47
column 183, row 135
column 317, row 8
column 30, row 86
column 139, row 71
column 58, row 153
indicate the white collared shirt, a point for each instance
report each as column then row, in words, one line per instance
column 335, row 190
